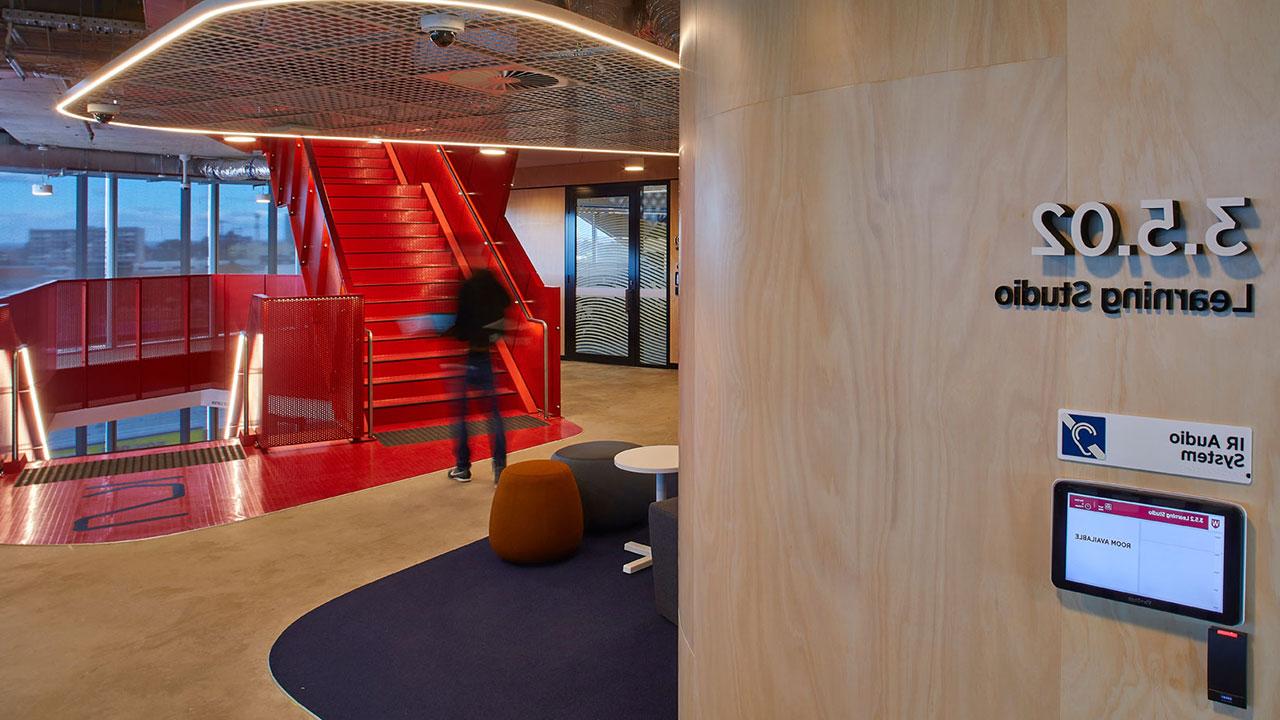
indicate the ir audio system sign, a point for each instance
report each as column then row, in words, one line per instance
column 1173, row 447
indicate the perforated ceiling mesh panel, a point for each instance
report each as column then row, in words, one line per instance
column 362, row 68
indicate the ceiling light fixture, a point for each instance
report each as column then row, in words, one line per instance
column 264, row 198
column 634, row 164
column 492, row 151
column 239, row 138
column 551, row 15
column 444, row 143
column 43, row 188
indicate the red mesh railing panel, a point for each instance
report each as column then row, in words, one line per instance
column 163, row 323
column 310, row 368
column 8, row 344
column 68, row 348
column 94, row 342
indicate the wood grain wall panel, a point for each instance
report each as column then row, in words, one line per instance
column 1179, row 99
column 867, row 439
column 537, row 217
column 793, row 48
column 691, row 703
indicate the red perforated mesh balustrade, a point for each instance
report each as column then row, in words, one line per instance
column 310, row 364
column 96, row 342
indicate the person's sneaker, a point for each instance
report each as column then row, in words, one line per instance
column 460, row 474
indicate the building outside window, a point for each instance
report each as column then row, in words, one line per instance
column 242, row 230
column 37, row 234
column 144, row 431
column 150, row 231
column 43, row 238
column 65, row 236
column 200, row 194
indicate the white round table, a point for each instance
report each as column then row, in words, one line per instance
column 657, row 460
column 661, row 461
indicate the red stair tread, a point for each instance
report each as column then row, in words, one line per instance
column 403, row 265
column 426, row 355
column 409, row 283
column 381, row 189
column 439, row 375
column 433, row 399
column 431, row 243
column 407, row 266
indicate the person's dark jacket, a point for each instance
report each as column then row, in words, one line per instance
column 482, row 304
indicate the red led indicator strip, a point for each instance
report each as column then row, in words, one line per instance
column 1227, row 633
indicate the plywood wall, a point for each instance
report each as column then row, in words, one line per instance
column 867, row 440
column 537, row 217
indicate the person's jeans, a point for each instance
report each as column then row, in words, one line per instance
column 479, row 376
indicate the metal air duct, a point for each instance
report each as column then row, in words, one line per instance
column 250, row 169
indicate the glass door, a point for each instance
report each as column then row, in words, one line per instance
column 617, row 246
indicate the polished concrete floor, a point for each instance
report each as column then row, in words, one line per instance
column 180, row 626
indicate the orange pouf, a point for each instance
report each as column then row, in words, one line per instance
column 537, row 513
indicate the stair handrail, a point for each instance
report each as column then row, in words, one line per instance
column 368, row 334
column 511, row 283
column 331, row 228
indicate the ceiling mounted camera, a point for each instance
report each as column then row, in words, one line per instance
column 103, row 113
column 442, row 28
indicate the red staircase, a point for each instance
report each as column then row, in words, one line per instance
column 391, row 247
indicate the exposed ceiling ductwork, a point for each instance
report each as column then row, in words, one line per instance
column 42, row 39
column 251, row 169
column 657, row 21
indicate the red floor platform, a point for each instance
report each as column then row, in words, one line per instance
column 150, row 504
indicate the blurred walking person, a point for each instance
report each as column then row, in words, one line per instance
column 482, row 306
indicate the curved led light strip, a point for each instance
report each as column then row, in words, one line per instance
column 230, row 423
column 153, row 44
column 36, row 410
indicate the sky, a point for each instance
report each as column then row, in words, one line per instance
column 151, row 205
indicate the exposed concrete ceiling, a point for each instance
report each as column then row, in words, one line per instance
column 26, row 114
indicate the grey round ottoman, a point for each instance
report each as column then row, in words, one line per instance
column 612, row 499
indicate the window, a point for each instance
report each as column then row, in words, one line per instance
column 200, row 197
column 149, row 236
column 62, row 443
column 161, row 429
column 37, row 234
column 96, row 212
column 286, row 251
column 242, row 230
column 148, row 431
column 64, row 236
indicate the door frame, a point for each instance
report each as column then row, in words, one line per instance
column 634, row 191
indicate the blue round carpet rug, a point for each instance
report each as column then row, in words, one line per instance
column 466, row 635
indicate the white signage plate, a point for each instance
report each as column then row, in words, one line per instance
column 1173, row 447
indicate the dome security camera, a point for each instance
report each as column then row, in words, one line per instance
column 103, row 113
column 442, row 28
